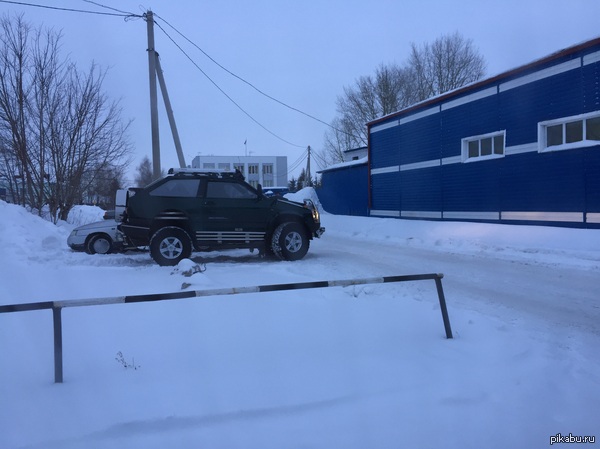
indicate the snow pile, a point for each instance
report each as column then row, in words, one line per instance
column 23, row 235
column 307, row 193
column 81, row 215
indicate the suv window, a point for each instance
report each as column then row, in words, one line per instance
column 228, row 190
column 183, row 188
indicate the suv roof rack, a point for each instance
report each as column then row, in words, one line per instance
column 206, row 171
column 174, row 171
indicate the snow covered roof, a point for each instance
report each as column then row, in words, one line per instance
column 362, row 160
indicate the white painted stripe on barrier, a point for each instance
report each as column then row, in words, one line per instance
column 226, row 291
column 348, row 282
column 89, row 302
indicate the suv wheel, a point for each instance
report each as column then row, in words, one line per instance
column 289, row 241
column 170, row 245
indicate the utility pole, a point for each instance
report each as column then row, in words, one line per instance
column 308, row 175
column 165, row 94
column 153, row 97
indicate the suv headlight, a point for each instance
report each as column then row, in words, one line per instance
column 310, row 205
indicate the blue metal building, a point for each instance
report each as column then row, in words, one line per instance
column 521, row 147
column 344, row 188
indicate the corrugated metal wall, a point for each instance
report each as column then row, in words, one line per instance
column 344, row 191
column 417, row 168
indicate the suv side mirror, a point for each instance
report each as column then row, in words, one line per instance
column 260, row 190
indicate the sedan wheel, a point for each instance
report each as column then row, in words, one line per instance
column 99, row 244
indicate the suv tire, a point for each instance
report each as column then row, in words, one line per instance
column 289, row 241
column 170, row 245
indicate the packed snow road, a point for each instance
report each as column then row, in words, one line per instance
column 558, row 295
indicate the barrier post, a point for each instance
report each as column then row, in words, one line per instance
column 442, row 298
column 58, row 362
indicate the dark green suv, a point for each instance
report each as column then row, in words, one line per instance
column 191, row 209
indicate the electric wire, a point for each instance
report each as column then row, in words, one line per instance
column 298, row 163
column 252, row 85
column 242, row 79
column 108, row 7
column 319, row 160
column 57, row 8
column 222, row 91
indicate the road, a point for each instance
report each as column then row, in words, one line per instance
column 558, row 296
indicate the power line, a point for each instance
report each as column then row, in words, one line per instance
column 297, row 163
column 252, row 85
column 223, row 92
column 242, row 79
column 108, row 7
column 35, row 5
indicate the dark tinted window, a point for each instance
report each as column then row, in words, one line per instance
column 183, row 188
column 228, row 190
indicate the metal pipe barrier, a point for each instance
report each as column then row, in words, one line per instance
column 57, row 306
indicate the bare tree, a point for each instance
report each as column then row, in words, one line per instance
column 58, row 131
column 371, row 97
column 450, row 62
column 13, row 62
column 104, row 188
column 85, row 135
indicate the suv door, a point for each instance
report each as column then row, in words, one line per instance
column 232, row 212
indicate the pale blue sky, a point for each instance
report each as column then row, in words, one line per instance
column 302, row 53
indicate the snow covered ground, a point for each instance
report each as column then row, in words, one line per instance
column 358, row 367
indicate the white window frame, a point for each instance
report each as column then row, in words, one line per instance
column 465, row 147
column 542, row 135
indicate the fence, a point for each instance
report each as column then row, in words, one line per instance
column 57, row 306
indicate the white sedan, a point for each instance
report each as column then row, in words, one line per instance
column 102, row 237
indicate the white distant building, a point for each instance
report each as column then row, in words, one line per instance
column 268, row 171
column 355, row 154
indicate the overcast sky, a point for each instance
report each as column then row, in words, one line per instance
column 301, row 52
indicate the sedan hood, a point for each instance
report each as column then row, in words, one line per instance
column 97, row 225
